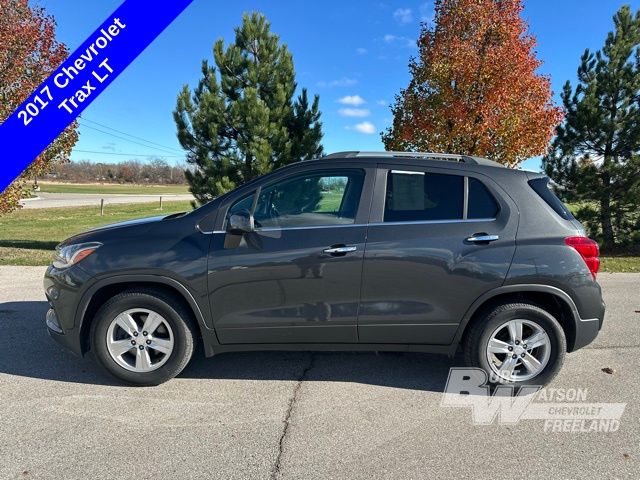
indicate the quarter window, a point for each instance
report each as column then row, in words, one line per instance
column 481, row 202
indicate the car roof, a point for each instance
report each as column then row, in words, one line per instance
column 401, row 157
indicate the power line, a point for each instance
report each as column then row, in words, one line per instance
column 125, row 139
column 131, row 154
column 128, row 134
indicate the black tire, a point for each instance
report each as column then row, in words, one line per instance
column 177, row 316
column 475, row 342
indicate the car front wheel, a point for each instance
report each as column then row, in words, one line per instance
column 142, row 337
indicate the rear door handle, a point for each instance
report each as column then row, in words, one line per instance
column 481, row 237
column 340, row 250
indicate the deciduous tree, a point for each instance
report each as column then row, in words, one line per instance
column 241, row 120
column 29, row 53
column 596, row 154
column 474, row 88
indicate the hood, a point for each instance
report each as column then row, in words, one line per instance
column 128, row 223
column 95, row 234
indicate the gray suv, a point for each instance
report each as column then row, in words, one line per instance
column 387, row 251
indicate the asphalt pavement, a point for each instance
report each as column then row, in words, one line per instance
column 295, row 415
column 52, row 200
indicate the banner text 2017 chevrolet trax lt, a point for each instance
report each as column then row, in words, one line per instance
column 355, row 251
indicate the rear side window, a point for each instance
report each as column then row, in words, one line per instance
column 541, row 187
column 481, row 202
column 420, row 196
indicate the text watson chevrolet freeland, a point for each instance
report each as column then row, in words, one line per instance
column 355, row 251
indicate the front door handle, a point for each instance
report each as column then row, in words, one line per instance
column 340, row 249
column 482, row 237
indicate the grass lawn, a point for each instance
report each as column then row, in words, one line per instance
column 330, row 202
column 108, row 188
column 28, row 237
column 620, row 264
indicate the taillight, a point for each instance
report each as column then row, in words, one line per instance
column 588, row 250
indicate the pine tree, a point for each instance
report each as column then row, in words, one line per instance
column 474, row 88
column 595, row 156
column 241, row 120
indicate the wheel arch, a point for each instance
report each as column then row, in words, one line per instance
column 106, row 288
column 554, row 300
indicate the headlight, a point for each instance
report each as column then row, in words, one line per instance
column 72, row 254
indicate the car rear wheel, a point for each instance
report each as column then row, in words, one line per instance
column 516, row 343
column 142, row 337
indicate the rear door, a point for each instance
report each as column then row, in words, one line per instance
column 438, row 239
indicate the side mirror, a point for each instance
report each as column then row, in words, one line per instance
column 240, row 223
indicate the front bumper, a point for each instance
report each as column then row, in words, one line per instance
column 63, row 291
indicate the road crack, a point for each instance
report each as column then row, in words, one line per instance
column 610, row 347
column 287, row 418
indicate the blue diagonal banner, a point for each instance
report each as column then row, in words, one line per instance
column 79, row 80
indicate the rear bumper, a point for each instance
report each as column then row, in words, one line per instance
column 587, row 330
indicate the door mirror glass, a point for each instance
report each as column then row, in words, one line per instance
column 240, row 222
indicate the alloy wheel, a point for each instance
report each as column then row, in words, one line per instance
column 140, row 340
column 518, row 350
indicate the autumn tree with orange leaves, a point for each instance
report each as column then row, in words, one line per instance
column 474, row 88
column 29, row 53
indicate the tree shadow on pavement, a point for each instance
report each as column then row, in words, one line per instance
column 26, row 350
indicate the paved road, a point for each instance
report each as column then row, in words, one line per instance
column 294, row 415
column 49, row 200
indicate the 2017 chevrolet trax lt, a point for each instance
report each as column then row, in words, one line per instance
column 354, row 251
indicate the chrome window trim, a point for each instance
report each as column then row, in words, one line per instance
column 433, row 222
column 408, row 172
column 372, row 224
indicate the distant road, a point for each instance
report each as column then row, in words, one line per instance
column 51, row 200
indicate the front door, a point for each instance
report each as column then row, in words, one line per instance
column 296, row 278
column 439, row 239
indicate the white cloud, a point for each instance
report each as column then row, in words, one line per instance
column 382, row 103
column 395, row 39
column 367, row 128
column 403, row 16
column 354, row 100
column 361, row 51
column 340, row 82
column 354, row 112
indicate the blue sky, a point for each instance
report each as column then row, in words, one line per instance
column 355, row 52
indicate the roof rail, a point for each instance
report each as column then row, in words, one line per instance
column 449, row 157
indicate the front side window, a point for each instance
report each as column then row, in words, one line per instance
column 307, row 201
column 420, row 196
